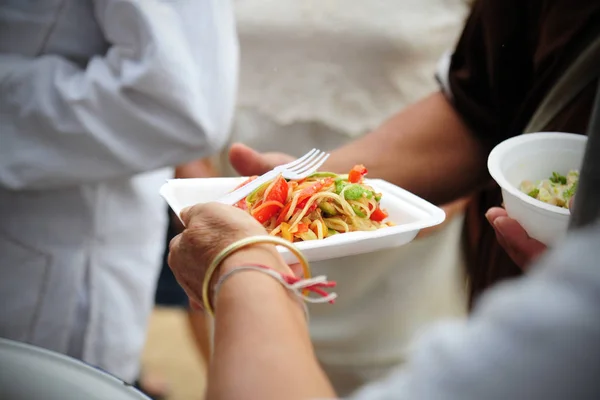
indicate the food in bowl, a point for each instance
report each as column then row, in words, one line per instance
column 557, row 190
column 319, row 206
column 533, row 156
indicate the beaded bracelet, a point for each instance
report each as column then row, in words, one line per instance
column 240, row 244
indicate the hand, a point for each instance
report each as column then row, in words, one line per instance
column 209, row 229
column 512, row 237
column 248, row 162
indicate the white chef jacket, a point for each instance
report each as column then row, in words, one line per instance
column 97, row 98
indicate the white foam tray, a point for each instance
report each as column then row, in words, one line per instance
column 410, row 213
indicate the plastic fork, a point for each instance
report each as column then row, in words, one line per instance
column 298, row 169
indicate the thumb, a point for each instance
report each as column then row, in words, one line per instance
column 571, row 203
column 248, row 162
column 522, row 248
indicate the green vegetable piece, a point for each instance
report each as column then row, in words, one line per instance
column 328, row 209
column 377, row 197
column 354, row 192
column 331, row 232
column 558, row 178
column 534, row 193
column 339, row 186
column 251, row 198
column 323, row 175
column 570, row 192
column 359, row 212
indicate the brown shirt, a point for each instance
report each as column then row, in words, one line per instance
column 509, row 56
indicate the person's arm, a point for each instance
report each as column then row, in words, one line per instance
column 162, row 94
column 426, row 148
column 262, row 347
column 261, row 343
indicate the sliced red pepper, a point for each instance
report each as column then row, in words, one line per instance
column 356, row 173
column 315, row 187
column 279, row 191
column 267, row 211
column 283, row 213
column 302, row 204
column 378, row 215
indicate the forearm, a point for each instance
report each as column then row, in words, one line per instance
column 262, row 339
column 426, row 149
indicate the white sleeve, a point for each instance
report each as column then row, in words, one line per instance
column 163, row 94
column 535, row 338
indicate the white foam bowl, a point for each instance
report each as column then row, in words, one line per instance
column 535, row 156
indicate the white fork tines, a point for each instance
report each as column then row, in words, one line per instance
column 297, row 169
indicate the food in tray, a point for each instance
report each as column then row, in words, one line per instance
column 556, row 190
column 321, row 205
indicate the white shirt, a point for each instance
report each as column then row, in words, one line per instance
column 97, row 97
column 536, row 337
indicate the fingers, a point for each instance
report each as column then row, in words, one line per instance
column 571, row 203
column 513, row 238
column 248, row 162
column 173, row 251
column 494, row 213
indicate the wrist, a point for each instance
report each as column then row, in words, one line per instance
column 245, row 283
column 259, row 254
column 251, row 249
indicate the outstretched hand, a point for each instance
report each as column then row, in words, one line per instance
column 249, row 162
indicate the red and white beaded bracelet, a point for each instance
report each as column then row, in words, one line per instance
column 296, row 286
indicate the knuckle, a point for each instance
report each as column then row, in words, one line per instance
column 190, row 238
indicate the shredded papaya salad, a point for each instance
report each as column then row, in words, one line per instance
column 321, row 205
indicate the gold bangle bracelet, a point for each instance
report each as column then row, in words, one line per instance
column 240, row 244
